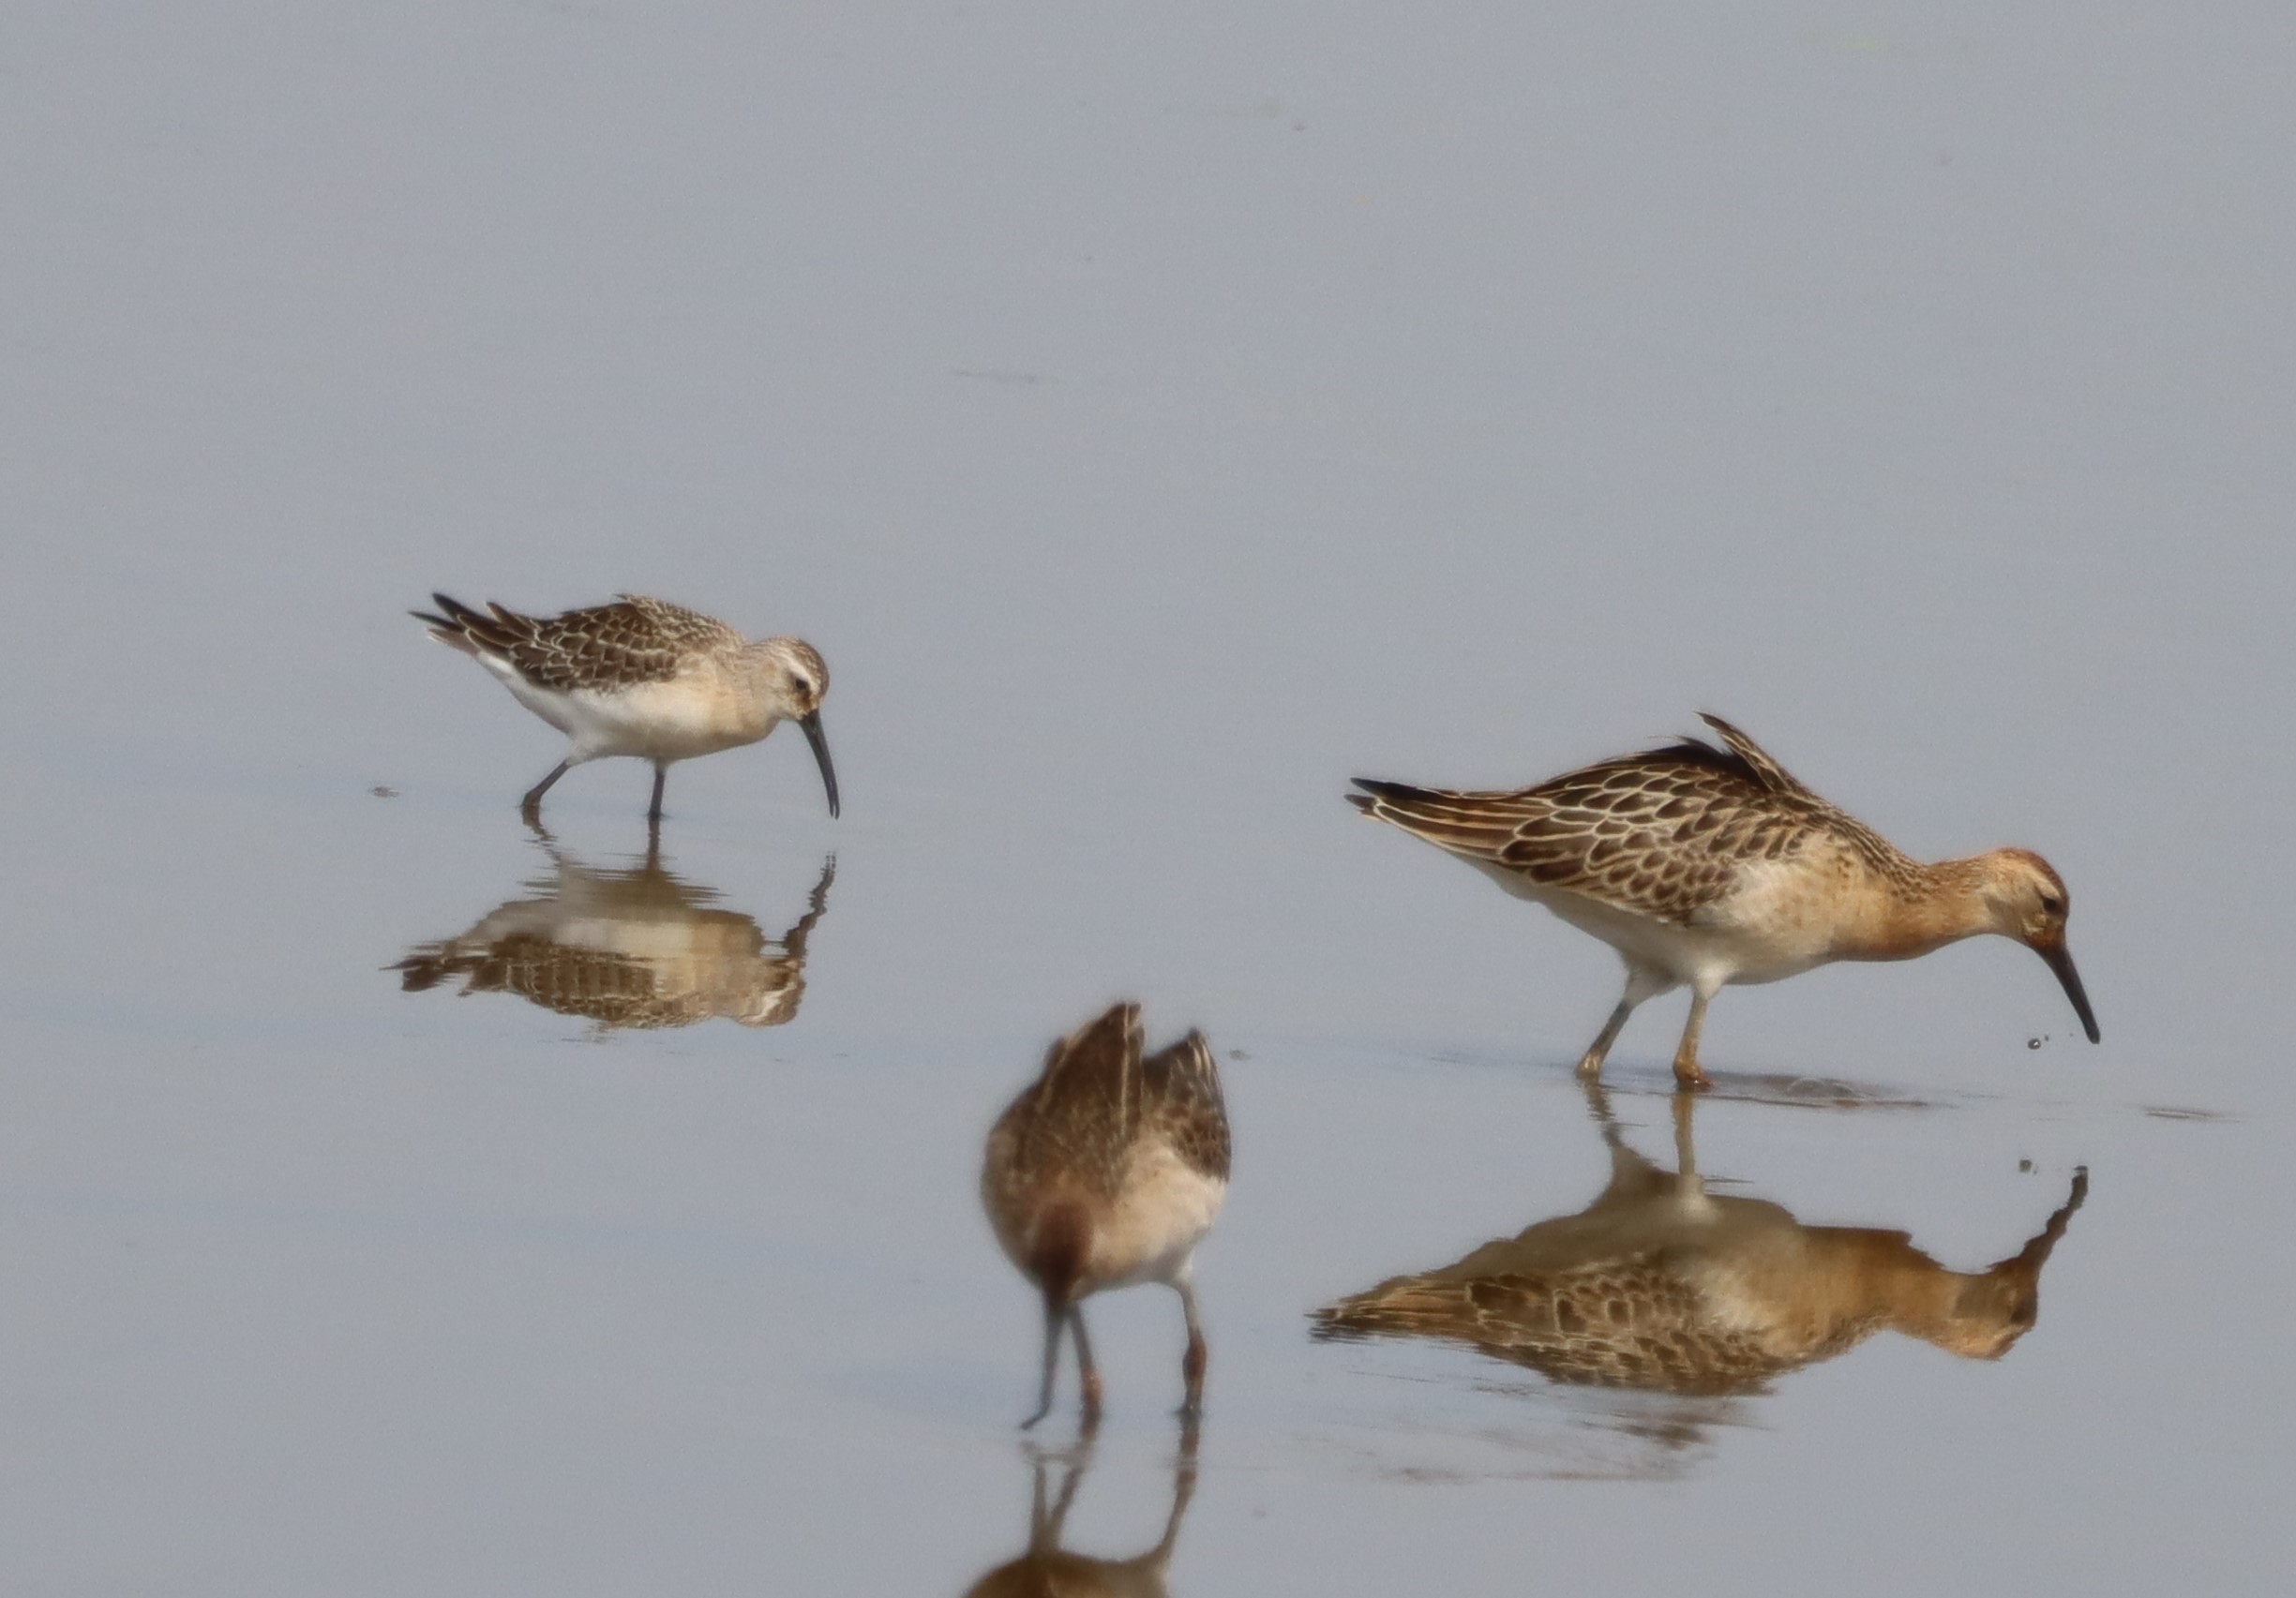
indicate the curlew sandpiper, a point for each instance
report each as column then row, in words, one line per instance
column 642, row 678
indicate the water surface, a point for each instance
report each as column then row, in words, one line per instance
column 1156, row 420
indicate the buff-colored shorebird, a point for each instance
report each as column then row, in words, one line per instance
column 1704, row 866
column 1106, row 1173
column 642, row 678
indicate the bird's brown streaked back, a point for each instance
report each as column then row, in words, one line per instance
column 1097, row 1098
column 635, row 639
column 1659, row 833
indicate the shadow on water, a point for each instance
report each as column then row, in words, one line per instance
column 1046, row 1567
column 1659, row 1303
column 635, row 947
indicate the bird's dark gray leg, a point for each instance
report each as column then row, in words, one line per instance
column 1053, row 1316
column 1087, row 1374
column 661, row 775
column 1643, row 983
column 1590, row 1062
column 530, row 806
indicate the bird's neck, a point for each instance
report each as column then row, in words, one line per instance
column 1899, row 1287
column 1928, row 907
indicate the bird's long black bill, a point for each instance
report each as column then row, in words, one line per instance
column 829, row 773
column 2060, row 961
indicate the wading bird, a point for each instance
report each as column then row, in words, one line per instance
column 1704, row 866
column 644, row 679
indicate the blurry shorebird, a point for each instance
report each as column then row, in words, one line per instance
column 1661, row 1285
column 1106, row 1173
column 1709, row 866
column 642, row 678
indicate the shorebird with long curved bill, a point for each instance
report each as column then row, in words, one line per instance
column 644, row 679
column 1704, row 866
column 1107, row 1170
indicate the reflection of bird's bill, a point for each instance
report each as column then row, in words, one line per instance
column 2060, row 961
column 811, row 724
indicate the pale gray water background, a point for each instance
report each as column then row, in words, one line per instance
column 1157, row 416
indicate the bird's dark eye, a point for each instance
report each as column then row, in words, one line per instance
column 2052, row 904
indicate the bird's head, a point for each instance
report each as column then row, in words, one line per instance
column 795, row 679
column 2027, row 900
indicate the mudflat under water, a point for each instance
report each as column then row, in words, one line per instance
column 1155, row 421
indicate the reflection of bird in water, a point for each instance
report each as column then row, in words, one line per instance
column 642, row 678
column 634, row 947
column 1106, row 1171
column 1708, row 866
column 1659, row 1284
column 1047, row 1569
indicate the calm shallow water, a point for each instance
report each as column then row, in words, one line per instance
column 1156, row 422
column 332, row 1284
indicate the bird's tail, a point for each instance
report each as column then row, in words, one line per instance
column 1466, row 822
column 490, row 632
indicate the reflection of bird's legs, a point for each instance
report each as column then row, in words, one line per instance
column 1197, row 1356
column 1686, row 1151
column 1039, row 1518
column 1631, row 1175
column 1045, row 1521
column 1599, row 1105
column 1624, row 1160
column 1688, row 1185
column 1183, row 1489
column 530, row 806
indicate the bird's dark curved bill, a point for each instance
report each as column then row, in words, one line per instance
column 2060, row 961
column 829, row 780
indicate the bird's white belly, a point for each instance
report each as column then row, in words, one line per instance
column 1167, row 1207
column 656, row 721
column 1765, row 928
